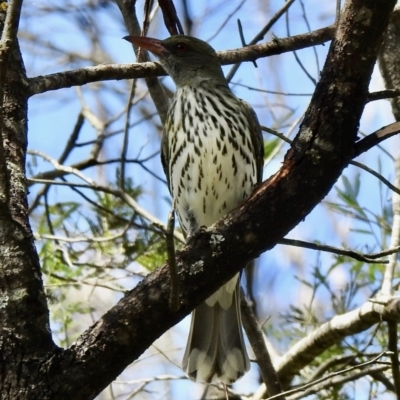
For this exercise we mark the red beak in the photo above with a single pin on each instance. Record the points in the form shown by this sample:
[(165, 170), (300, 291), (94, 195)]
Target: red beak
[(150, 44)]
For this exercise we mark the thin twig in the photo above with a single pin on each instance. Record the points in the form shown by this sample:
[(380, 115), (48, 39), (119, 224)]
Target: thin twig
[(387, 284), (125, 140), (334, 374), (243, 40), (375, 138), (130, 202), (334, 250), (395, 189), (394, 356), (11, 23), (170, 245), (285, 138), (70, 145), (261, 34), (229, 16), (304, 15), (337, 13), (339, 381), (383, 94), (256, 338)]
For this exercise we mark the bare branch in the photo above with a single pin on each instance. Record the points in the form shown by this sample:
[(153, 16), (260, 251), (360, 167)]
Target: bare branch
[(12, 22), (375, 138), (262, 33), (392, 346), (256, 338), (41, 84), (334, 250), (383, 94)]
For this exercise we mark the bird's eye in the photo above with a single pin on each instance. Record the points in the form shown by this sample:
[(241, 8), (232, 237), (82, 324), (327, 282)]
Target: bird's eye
[(181, 47)]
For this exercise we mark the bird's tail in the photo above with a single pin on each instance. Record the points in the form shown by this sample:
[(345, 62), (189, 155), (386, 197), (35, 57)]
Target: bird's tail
[(215, 351)]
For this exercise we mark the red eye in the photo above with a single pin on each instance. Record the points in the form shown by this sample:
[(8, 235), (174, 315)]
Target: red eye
[(181, 47)]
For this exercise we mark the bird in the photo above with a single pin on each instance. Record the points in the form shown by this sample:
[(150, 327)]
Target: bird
[(212, 154)]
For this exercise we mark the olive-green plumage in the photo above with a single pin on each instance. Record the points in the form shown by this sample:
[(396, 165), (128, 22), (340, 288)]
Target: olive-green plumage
[(212, 154)]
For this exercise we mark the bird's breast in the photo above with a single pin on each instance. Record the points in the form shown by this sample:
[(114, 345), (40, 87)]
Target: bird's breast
[(211, 161)]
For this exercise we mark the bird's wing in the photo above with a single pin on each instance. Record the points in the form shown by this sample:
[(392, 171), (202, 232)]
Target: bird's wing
[(256, 138), (165, 155), (165, 149)]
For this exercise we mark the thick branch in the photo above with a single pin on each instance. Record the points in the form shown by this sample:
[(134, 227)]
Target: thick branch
[(24, 327)]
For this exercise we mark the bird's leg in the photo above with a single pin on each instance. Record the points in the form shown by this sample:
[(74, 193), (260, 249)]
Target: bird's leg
[(193, 225), (170, 245)]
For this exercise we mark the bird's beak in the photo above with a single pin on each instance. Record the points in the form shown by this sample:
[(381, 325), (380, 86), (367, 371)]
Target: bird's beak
[(150, 44)]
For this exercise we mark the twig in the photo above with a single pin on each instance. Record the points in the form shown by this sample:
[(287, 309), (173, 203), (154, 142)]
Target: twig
[(335, 250), (375, 138), (383, 94), (296, 57), (153, 379), (387, 284), (229, 16), (361, 146), (276, 133), (11, 23), (242, 39), (256, 89), (284, 138), (155, 87), (303, 9), (85, 239), (92, 162), (125, 140), (148, 4), (331, 332), (337, 14), (339, 381), (170, 245), (67, 150), (331, 362), (394, 356), (256, 338), (170, 16), (64, 168), (379, 176), (333, 374), (261, 35), (129, 201)]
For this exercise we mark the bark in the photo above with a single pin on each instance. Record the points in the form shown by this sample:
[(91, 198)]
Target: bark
[(32, 366), (24, 330), (389, 60)]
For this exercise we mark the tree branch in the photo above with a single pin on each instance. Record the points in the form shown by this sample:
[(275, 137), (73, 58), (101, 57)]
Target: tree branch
[(78, 77), (11, 23), (375, 138), (333, 331)]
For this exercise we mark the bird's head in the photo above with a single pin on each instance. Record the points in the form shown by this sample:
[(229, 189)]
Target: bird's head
[(186, 59)]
